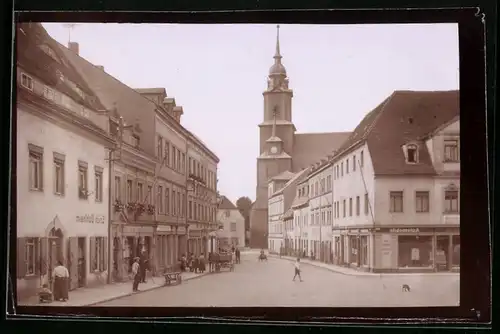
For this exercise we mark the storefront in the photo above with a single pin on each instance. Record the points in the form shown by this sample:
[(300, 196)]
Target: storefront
[(398, 249)]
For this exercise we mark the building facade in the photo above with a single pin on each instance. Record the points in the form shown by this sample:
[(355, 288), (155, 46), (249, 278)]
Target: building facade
[(281, 148), (61, 169), (232, 225), (396, 187)]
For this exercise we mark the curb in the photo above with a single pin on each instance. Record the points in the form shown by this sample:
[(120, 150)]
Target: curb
[(140, 291), (364, 274)]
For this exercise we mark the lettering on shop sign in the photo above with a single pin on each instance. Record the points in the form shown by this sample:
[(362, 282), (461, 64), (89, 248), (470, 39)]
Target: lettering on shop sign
[(91, 219), (404, 230)]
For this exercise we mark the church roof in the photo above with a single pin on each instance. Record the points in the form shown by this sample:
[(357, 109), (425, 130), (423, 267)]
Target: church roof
[(309, 148), (285, 176), (403, 117), (226, 204)]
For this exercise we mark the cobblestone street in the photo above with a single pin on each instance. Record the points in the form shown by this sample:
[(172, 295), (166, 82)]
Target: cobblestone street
[(256, 283)]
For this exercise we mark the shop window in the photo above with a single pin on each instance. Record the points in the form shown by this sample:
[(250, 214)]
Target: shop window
[(396, 201), (354, 244), (422, 201), (364, 250), (415, 251), (98, 254)]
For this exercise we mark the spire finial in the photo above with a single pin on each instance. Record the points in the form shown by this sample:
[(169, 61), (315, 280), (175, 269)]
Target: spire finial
[(278, 54)]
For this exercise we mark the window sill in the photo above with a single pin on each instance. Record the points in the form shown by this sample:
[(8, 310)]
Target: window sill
[(36, 190)]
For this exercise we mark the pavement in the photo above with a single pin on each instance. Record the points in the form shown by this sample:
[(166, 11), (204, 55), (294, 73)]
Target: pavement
[(270, 284), (108, 292), (354, 272)]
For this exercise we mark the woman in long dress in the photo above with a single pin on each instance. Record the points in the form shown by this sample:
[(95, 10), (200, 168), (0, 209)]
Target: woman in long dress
[(60, 275)]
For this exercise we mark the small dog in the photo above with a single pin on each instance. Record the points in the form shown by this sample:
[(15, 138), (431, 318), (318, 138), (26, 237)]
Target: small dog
[(405, 288)]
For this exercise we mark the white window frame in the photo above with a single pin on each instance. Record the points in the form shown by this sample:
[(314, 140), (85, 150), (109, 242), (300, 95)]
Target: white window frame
[(98, 186), (393, 195), (59, 177), (27, 81), (36, 170), (30, 243)]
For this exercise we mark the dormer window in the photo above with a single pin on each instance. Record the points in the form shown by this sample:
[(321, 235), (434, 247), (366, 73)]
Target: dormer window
[(411, 153)]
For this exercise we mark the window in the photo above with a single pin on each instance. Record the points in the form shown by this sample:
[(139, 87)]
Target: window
[(183, 162), (357, 205), (451, 151), (350, 207), (233, 227), (159, 148), (322, 186), (130, 195), (178, 165), (97, 254), (190, 210), (167, 154), (149, 195), (411, 154), (118, 192), (451, 201), (178, 206), (159, 199), (140, 192), (135, 140), (347, 166), (174, 157), (98, 183), (361, 159), (48, 93), (343, 208), (59, 174), (30, 256), (316, 188), (174, 208), (396, 198), (167, 201), (354, 163), (36, 167), (183, 205), (422, 201), (228, 213), (82, 180), (367, 204), (329, 183), (26, 81), (342, 169)]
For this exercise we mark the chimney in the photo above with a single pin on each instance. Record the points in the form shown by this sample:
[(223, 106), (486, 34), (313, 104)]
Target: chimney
[(73, 46), (169, 104), (100, 67), (177, 111)]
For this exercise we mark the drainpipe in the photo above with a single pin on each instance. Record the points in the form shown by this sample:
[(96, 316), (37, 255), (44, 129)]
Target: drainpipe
[(110, 211)]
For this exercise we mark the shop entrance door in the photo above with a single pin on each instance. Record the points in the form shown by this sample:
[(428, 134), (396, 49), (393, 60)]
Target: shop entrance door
[(73, 262), (82, 277), (55, 249)]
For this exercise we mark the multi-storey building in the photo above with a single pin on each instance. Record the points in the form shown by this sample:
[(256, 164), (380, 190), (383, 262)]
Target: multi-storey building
[(160, 144), (61, 168), (282, 193), (320, 210), (297, 243), (231, 231), (396, 186)]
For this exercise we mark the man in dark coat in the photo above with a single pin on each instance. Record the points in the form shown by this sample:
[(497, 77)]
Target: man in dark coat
[(237, 253), (143, 266)]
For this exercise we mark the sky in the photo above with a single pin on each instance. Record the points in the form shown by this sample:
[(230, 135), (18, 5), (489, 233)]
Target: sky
[(218, 72)]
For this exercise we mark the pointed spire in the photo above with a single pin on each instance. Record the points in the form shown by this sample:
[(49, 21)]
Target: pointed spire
[(277, 55)]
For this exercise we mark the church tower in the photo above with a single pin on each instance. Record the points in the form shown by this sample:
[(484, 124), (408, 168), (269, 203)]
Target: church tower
[(276, 144)]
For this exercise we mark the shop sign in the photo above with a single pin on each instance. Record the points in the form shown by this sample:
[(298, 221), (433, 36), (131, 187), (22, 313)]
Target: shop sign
[(139, 229), (91, 219), (404, 230), (164, 228)]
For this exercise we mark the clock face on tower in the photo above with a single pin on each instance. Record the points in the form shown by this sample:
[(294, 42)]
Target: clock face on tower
[(274, 150)]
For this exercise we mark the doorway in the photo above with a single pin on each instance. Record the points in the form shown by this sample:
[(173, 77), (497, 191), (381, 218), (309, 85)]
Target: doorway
[(55, 249), (82, 273)]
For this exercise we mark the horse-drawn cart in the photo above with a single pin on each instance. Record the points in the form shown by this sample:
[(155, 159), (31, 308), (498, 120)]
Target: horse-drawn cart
[(221, 260)]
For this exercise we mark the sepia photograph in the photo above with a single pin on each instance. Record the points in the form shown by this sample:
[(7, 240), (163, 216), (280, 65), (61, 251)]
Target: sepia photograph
[(237, 165)]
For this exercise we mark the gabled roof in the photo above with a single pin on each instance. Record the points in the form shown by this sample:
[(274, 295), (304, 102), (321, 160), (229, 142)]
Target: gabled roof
[(405, 116), (293, 181), (226, 204), (288, 215), (299, 202), (151, 91), (30, 39), (309, 148)]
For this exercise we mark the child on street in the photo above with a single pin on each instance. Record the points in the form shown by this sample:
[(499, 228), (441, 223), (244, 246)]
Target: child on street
[(297, 270)]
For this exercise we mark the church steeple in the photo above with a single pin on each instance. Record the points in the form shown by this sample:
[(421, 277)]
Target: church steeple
[(277, 69)]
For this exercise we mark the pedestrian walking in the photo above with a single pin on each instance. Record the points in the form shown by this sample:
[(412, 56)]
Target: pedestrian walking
[(238, 254), (297, 270), (60, 276), (143, 266), (201, 263), (136, 274)]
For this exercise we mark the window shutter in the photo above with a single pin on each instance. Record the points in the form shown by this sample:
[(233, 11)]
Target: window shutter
[(44, 255), (92, 254), (105, 252), (21, 257)]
